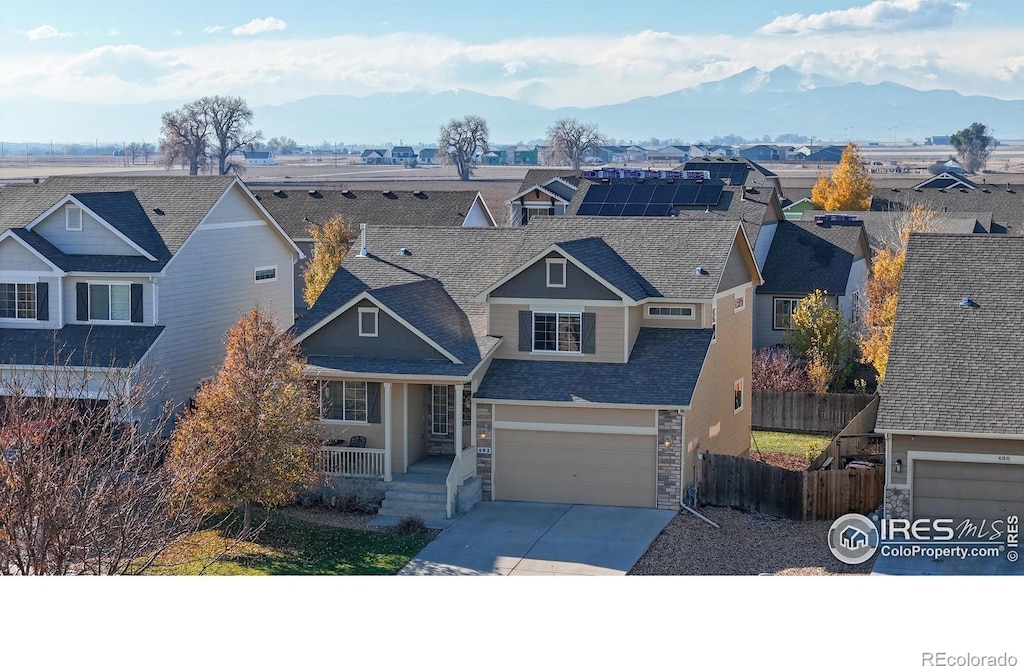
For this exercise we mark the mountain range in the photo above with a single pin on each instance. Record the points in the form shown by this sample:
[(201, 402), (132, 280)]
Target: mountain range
[(751, 103)]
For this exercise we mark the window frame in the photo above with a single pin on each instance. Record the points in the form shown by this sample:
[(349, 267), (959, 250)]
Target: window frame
[(256, 274), (558, 316), (691, 316), (17, 302), (108, 285), (547, 272), (344, 389), (714, 323), (435, 391), (376, 322), (737, 394), (739, 303), (67, 217), (775, 312)]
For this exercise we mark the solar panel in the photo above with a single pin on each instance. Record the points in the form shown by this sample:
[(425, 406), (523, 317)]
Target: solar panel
[(709, 194), (589, 209), (612, 209), (619, 194), (634, 209), (641, 194), (664, 194), (596, 194), (658, 210), (686, 194)]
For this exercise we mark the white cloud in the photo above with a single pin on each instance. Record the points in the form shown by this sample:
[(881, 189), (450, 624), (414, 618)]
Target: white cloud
[(258, 25), (45, 32), (877, 16), (211, 29), (113, 32), (128, 63)]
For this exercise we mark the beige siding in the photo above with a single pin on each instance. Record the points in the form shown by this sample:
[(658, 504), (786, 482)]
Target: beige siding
[(94, 238), (417, 422), (668, 322), (711, 425), (575, 468), (373, 432), (902, 445), (636, 320), (645, 418), (609, 338)]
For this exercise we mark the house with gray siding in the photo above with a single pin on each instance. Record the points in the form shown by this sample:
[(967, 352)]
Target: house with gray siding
[(578, 359), (141, 274)]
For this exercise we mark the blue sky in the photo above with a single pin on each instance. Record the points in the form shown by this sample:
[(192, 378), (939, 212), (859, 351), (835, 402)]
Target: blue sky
[(549, 53)]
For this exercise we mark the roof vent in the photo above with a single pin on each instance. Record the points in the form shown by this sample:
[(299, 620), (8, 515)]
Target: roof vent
[(895, 189), (986, 190), (279, 193), (346, 193), (158, 211), (404, 252), (942, 189), (386, 192), (964, 190), (363, 252), (417, 193), (966, 302), (312, 193), (700, 270)]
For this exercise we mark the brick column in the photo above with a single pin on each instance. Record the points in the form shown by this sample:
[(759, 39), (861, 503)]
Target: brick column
[(670, 459), (483, 460)]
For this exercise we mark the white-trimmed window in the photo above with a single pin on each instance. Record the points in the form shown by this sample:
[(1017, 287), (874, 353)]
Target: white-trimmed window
[(467, 405), (368, 322), (343, 401), (110, 302), (783, 313), (17, 300), (266, 274), (439, 409), (72, 217), (737, 395), (556, 272), (557, 332), (855, 307), (714, 323), (670, 311), (739, 302)]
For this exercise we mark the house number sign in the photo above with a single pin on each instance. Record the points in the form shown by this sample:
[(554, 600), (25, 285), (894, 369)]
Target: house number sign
[(483, 449)]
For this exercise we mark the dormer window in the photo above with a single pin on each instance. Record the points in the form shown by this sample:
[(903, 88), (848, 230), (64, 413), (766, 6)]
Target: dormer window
[(670, 312), (556, 272), (72, 217), (368, 322)]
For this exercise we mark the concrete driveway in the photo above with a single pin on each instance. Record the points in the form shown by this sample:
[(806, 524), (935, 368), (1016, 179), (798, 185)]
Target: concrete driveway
[(538, 539)]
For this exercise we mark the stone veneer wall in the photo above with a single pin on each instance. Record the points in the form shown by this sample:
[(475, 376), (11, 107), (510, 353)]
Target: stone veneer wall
[(483, 460), (670, 459), (897, 503)]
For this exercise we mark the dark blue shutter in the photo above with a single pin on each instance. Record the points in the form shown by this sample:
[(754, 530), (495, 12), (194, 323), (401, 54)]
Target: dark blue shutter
[(525, 330), (137, 303), (373, 402), (82, 301), (42, 301), (589, 344)]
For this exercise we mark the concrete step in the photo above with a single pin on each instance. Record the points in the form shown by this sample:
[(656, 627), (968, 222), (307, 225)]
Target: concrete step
[(417, 482), (411, 505), (426, 515), (416, 494)]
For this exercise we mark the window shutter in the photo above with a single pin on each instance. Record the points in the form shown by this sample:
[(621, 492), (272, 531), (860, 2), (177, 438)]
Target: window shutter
[(525, 330), (373, 402), (82, 301), (589, 344), (42, 301), (137, 303)]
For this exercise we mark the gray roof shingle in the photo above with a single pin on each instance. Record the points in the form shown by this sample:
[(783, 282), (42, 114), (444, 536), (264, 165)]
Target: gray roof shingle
[(805, 256), (77, 345), (881, 226), (662, 370), (296, 210), (955, 368), (1006, 204)]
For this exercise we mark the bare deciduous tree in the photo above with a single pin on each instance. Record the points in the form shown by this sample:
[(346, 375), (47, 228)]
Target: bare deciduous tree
[(146, 149), (82, 488), (216, 125), (133, 149), (569, 140), (230, 119), (185, 137), (460, 140)]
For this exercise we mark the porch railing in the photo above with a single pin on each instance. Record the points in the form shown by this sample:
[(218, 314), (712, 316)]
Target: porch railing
[(451, 486), (348, 461)]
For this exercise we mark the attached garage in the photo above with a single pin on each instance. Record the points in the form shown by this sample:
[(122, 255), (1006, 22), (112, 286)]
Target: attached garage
[(967, 489), (575, 467)]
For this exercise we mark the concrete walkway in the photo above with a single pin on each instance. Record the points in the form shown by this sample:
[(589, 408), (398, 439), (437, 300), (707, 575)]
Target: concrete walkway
[(538, 539)]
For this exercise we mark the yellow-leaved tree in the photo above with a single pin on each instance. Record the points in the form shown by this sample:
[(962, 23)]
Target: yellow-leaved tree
[(250, 436), (882, 290), (331, 242), (848, 188)]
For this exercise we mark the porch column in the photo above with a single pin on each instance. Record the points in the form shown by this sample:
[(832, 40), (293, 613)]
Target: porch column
[(458, 428), (387, 431), (405, 428)]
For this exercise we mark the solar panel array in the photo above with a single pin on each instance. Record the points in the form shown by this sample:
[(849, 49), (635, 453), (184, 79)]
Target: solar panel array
[(651, 199), (735, 172)]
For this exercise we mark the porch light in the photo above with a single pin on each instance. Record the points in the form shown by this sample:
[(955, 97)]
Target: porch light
[(483, 434), (899, 465)]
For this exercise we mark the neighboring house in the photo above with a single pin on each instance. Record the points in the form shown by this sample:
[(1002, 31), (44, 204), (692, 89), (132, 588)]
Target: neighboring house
[(543, 192), (883, 227), (830, 253), (524, 156), (492, 158), (671, 154), (1004, 202), (796, 210), (296, 210), (936, 140), (259, 158), (578, 360), (375, 156), (736, 171), (715, 150), (142, 274), (826, 155), (611, 154), (401, 154), (635, 153), (951, 401), (762, 153), (428, 156), (947, 179)]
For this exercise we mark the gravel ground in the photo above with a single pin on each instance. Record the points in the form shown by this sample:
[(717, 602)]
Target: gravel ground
[(746, 544), (783, 460)]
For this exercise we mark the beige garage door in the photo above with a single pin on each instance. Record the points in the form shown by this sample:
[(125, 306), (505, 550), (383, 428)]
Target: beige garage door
[(946, 489), (575, 468)]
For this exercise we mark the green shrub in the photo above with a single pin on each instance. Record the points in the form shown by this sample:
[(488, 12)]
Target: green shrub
[(410, 526)]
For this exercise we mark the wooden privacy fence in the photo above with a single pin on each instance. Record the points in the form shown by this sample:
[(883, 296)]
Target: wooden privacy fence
[(750, 485), (856, 440), (798, 411)]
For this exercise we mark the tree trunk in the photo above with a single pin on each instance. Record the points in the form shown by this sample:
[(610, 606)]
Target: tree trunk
[(193, 168), (246, 517), (222, 164)]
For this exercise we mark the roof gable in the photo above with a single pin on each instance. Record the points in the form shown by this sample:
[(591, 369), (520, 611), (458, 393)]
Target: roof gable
[(805, 256)]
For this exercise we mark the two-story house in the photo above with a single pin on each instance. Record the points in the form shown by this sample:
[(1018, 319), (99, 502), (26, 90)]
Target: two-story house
[(582, 360), (144, 275)]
